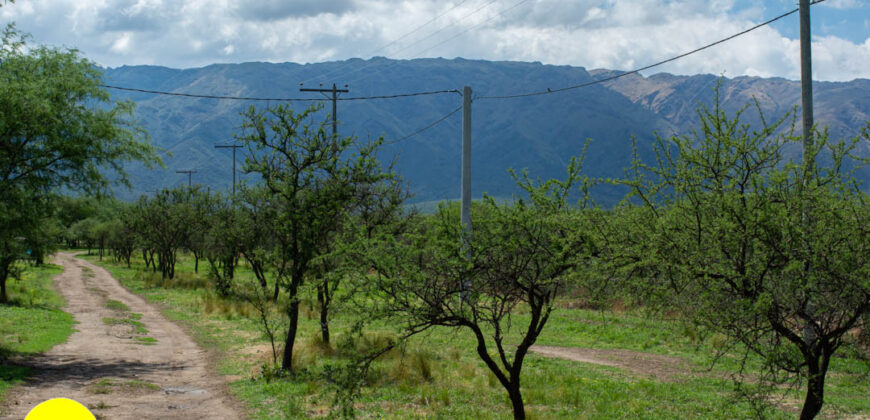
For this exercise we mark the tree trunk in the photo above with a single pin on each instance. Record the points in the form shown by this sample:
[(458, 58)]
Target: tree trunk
[(293, 313), (815, 397), (4, 275), (277, 289), (323, 299), (517, 401)]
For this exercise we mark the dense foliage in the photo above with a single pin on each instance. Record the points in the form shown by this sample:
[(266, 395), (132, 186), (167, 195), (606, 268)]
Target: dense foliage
[(772, 253), (58, 130)]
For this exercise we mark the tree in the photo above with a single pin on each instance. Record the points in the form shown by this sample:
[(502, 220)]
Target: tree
[(519, 255), (772, 253), (58, 129), (377, 210), (164, 223), (315, 179), (256, 239)]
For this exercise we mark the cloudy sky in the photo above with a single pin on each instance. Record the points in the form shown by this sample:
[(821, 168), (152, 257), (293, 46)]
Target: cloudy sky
[(614, 34)]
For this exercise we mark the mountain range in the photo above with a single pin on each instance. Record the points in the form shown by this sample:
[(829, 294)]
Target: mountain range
[(537, 133)]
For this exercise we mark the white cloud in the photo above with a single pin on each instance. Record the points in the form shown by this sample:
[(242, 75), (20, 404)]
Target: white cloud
[(122, 43), (843, 4), (618, 34)]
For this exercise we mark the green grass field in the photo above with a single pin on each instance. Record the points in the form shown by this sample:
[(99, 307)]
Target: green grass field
[(439, 375), (31, 323)]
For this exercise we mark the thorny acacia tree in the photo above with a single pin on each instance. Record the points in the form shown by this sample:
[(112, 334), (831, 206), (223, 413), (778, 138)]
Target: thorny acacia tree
[(771, 253), (315, 179), (58, 129), (519, 255)]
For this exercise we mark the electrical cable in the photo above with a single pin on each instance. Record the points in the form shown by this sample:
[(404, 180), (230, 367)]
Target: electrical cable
[(358, 69), (638, 70), (434, 123), (243, 98), (385, 46), (473, 27)]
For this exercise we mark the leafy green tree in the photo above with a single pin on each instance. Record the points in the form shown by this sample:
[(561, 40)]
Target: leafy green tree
[(256, 239), (164, 222), (315, 178), (518, 255), (747, 243), (123, 236), (58, 129)]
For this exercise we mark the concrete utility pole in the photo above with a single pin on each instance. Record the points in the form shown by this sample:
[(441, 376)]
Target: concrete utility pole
[(234, 147), (189, 172), (465, 212), (806, 81), (335, 91)]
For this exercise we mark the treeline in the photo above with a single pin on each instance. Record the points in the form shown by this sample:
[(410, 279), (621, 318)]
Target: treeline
[(723, 229)]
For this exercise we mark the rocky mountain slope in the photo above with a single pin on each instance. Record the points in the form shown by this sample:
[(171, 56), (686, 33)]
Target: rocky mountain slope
[(538, 133)]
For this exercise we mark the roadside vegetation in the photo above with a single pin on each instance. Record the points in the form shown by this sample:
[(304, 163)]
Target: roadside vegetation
[(31, 322), (440, 374), (742, 270)]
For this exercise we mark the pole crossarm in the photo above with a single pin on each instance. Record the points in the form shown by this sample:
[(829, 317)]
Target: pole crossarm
[(335, 91), (189, 173)]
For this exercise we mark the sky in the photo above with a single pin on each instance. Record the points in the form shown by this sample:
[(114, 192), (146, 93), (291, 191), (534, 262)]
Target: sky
[(612, 34)]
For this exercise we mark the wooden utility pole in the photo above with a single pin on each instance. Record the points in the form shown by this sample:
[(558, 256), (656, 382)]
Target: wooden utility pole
[(234, 147), (806, 82), (189, 172), (465, 212), (335, 91)]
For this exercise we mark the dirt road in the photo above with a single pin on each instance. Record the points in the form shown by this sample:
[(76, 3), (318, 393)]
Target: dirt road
[(112, 363), (664, 368)]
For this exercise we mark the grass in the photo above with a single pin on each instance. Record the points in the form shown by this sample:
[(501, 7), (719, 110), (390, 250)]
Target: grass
[(31, 323), (439, 374), (117, 306), (129, 318), (108, 385), (138, 326), (148, 341)]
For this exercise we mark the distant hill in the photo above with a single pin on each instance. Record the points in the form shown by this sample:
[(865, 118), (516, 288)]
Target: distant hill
[(538, 133)]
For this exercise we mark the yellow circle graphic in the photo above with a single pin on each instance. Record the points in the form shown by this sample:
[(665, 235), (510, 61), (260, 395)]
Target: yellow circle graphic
[(60, 408)]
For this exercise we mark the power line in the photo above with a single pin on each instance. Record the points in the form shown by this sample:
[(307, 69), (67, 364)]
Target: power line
[(383, 47), (434, 123), (367, 75), (244, 98), (473, 27), (638, 70), (442, 29)]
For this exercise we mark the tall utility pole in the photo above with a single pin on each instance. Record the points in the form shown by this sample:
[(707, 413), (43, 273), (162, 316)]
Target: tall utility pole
[(189, 172), (234, 147), (806, 81), (465, 212), (335, 91)]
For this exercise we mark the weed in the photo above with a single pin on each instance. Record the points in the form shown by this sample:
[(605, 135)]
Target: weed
[(117, 306), (148, 341), (138, 326), (99, 406), (103, 386), (138, 384)]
